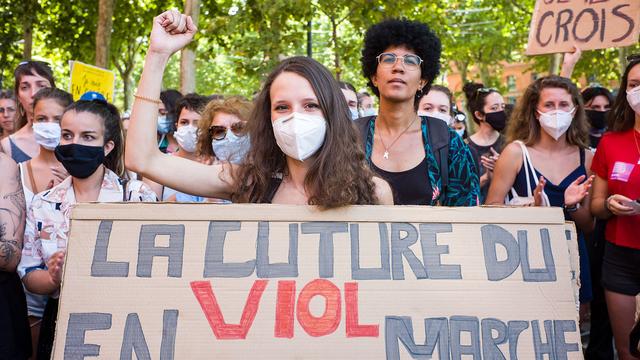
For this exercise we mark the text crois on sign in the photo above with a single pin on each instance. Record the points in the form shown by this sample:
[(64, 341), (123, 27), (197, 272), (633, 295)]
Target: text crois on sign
[(159, 281), (558, 25)]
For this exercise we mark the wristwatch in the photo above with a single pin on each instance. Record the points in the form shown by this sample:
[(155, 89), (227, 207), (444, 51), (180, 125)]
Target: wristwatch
[(572, 208)]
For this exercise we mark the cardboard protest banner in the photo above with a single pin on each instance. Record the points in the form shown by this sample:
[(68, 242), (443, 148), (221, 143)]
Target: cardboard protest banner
[(178, 281), (589, 24), (86, 77)]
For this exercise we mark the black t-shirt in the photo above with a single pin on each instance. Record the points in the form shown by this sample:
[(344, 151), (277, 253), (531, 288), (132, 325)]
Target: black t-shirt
[(411, 187)]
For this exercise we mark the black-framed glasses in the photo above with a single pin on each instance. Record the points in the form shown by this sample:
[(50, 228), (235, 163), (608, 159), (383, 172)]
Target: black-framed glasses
[(218, 132), (7, 110), (410, 61)]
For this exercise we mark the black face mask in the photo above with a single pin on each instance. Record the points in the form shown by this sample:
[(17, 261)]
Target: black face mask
[(80, 160), (497, 120), (597, 119)]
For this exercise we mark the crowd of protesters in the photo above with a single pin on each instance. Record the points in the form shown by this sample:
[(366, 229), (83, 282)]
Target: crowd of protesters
[(307, 139)]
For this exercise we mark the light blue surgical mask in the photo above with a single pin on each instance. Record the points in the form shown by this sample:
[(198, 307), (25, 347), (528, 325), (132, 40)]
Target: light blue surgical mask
[(164, 124), (460, 132), (369, 112), (232, 148), (354, 113)]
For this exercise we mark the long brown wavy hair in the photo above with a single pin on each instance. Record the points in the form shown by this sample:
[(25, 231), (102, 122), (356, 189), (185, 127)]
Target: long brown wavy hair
[(524, 125), (338, 174)]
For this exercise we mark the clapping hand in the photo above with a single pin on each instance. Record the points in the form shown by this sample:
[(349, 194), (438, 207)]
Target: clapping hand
[(577, 190), (489, 162), (538, 192)]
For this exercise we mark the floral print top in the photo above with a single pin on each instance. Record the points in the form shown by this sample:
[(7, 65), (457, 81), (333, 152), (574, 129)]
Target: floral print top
[(47, 225)]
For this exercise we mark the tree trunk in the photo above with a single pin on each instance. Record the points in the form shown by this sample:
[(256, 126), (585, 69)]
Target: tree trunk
[(622, 56), (188, 54), (103, 33), (336, 55), (30, 9), (126, 80), (309, 39), (27, 31)]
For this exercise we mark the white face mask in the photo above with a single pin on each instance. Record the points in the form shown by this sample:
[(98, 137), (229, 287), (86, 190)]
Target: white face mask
[(47, 134), (633, 97), (300, 135), (187, 137), (556, 122), (232, 148), (460, 132), (438, 115)]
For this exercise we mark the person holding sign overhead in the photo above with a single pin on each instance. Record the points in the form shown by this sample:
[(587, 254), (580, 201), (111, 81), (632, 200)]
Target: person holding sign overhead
[(303, 146), (616, 197)]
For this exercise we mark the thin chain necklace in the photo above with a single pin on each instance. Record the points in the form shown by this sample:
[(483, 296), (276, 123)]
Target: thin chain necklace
[(387, 148)]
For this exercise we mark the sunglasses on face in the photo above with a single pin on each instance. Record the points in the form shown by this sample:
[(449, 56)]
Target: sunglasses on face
[(219, 132), (410, 61)]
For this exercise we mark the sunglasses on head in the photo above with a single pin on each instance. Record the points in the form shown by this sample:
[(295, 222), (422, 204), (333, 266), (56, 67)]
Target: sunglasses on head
[(43, 63), (485, 90), (218, 132), (633, 57)]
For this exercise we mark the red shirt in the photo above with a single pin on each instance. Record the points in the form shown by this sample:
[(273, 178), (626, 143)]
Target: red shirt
[(617, 159)]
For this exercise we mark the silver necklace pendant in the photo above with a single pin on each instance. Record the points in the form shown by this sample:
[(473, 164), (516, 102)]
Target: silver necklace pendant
[(386, 155)]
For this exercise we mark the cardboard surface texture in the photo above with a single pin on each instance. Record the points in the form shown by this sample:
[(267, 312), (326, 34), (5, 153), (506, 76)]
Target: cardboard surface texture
[(162, 281), (558, 25), (86, 77)]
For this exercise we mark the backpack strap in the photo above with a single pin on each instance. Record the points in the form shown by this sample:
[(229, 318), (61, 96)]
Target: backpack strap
[(439, 141), (362, 124)]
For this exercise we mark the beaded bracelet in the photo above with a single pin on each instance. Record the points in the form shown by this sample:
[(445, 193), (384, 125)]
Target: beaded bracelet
[(139, 97)]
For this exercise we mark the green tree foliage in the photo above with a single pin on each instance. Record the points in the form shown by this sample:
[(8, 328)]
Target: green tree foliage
[(240, 41)]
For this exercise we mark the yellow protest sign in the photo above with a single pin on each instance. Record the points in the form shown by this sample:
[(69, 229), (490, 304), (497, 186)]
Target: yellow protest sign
[(86, 77)]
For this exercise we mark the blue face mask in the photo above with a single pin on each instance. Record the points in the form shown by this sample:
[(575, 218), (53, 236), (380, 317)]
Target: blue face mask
[(232, 148), (369, 112), (164, 125), (354, 113)]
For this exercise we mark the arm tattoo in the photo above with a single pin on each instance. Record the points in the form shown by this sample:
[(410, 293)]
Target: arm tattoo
[(8, 247), (12, 223)]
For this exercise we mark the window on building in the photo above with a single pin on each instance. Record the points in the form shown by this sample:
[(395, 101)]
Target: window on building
[(511, 83)]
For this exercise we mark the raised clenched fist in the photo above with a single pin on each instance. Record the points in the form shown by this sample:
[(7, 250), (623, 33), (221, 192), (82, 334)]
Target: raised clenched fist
[(171, 32)]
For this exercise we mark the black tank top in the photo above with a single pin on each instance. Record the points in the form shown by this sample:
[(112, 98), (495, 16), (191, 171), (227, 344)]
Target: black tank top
[(411, 187)]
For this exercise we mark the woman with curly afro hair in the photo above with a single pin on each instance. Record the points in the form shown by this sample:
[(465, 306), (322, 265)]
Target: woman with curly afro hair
[(424, 161)]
